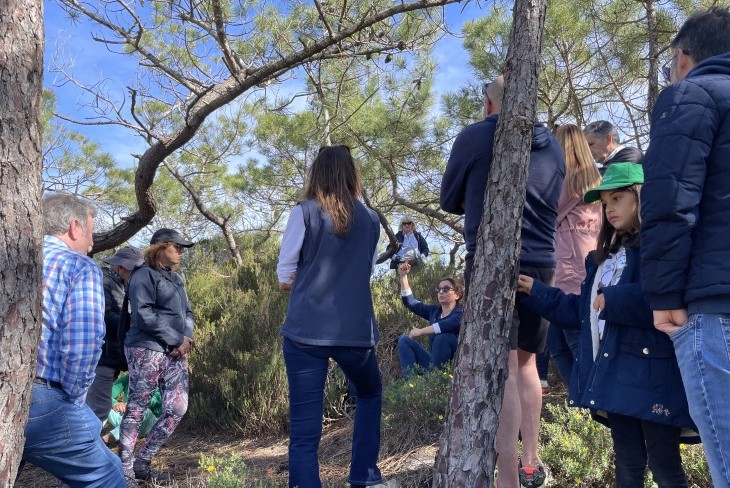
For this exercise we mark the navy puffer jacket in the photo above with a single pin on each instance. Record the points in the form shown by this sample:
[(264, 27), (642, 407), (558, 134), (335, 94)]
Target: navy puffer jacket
[(685, 200), (635, 371)]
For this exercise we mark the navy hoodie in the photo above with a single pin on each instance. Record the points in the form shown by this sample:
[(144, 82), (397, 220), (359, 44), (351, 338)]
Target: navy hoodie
[(466, 176), (685, 199)]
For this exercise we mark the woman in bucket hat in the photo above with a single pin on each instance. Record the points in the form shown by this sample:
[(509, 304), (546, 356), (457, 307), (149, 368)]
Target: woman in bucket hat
[(112, 360)]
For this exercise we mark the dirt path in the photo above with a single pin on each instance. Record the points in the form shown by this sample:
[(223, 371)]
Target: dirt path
[(267, 456)]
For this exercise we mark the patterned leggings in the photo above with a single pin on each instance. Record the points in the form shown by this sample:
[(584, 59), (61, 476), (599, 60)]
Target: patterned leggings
[(148, 370)]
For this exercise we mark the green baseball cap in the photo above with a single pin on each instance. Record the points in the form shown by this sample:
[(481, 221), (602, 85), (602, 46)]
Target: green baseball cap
[(617, 175)]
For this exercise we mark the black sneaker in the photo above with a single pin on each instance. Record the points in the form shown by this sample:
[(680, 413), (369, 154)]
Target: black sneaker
[(143, 471)]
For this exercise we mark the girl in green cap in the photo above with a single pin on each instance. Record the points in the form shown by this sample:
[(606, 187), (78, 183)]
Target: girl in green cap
[(625, 372)]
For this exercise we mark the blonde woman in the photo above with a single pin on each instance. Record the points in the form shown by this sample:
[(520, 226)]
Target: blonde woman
[(578, 227)]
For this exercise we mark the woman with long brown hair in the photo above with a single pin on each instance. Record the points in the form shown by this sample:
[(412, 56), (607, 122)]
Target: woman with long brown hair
[(578, 227), (327, 255)]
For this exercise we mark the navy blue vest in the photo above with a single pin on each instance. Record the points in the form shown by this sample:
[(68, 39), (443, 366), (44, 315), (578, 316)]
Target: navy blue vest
[(330, 302)]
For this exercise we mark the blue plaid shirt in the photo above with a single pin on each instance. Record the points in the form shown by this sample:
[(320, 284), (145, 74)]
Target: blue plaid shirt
[(73, 319)]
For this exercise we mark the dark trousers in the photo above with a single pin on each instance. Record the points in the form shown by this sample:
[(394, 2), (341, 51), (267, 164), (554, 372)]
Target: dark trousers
[(306, 369), (99, 396), (563, 347), (635, 441)]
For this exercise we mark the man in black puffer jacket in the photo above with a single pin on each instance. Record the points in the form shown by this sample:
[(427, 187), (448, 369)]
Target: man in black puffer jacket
[(685, 224), (112, 360)]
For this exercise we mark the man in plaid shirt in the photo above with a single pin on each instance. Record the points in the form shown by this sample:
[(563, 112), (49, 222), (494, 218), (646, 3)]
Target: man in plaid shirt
[(62, 434)]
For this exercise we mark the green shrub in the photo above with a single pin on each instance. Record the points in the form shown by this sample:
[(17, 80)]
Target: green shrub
[(578, 450), (232, 472), (237, 369), (414, 409), (695, 465)]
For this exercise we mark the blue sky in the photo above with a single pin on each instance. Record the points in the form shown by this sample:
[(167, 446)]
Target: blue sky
[(70, 42)]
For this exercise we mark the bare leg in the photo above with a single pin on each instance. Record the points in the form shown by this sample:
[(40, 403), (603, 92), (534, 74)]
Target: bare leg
[(530, 394), (509, 425)]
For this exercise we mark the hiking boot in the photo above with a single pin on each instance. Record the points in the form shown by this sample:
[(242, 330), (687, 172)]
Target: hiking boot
[(143, 471), (531, 477)]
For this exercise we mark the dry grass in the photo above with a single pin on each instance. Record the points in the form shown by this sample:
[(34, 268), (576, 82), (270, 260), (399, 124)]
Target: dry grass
[(401, 457), (268, 457)]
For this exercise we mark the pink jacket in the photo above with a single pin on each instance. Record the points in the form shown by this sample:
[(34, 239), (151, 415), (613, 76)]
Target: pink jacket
[(578, 227)]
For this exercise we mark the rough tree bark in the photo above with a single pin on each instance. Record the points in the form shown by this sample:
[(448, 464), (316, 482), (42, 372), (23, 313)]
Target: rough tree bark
[(21, 239), (466, 455), (653, 41)]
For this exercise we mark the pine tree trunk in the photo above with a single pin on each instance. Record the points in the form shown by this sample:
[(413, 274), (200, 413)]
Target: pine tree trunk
[(21, 238), (652, 27), (466, 455)]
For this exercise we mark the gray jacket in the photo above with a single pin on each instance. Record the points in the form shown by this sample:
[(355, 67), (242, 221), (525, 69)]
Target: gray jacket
[(161, 315)]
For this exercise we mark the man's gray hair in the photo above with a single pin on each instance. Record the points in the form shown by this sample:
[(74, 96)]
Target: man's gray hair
[(60, 209), (602, 128)]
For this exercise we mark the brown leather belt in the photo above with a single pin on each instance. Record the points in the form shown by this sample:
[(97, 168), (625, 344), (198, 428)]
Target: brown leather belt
[(52, 384)]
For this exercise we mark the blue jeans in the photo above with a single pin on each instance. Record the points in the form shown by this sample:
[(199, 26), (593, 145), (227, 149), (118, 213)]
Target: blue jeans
[(412, 353), (563, 347), (306, 369), (635, 441), (64, 439), (703, 353)]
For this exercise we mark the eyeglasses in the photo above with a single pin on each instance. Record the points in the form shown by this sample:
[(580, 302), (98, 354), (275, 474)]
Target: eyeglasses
[(180, 249), (407, 223), (340, 146), (443, 289)]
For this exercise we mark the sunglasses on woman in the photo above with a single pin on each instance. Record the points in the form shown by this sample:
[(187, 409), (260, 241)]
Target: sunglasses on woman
[(443, 289)]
